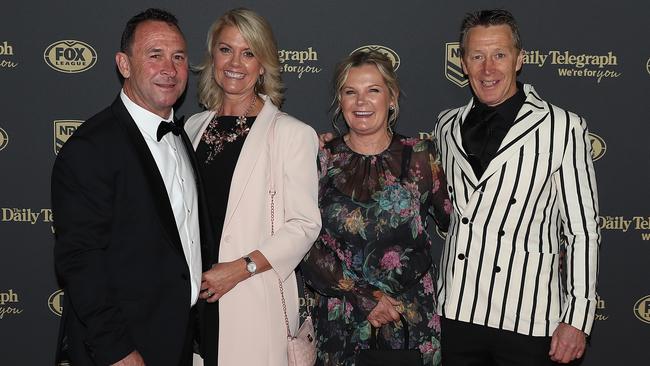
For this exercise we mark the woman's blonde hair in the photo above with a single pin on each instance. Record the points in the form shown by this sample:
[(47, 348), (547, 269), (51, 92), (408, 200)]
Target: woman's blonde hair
[(259, 36), (360, 58)]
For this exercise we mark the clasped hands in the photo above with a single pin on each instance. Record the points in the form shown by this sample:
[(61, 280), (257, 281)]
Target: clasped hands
[(385, 311), (220, 279)]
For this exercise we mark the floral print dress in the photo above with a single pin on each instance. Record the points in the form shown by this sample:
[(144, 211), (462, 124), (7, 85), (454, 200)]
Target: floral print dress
[(374, 239)]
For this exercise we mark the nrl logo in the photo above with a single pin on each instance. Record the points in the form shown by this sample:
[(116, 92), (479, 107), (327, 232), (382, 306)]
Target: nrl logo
[(453, 68), (63, 129)]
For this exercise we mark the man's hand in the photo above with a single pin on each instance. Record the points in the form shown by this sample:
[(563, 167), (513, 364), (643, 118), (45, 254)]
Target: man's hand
[(384, 312), (222, 278), (567, 344), (324, 138), (132, 359)]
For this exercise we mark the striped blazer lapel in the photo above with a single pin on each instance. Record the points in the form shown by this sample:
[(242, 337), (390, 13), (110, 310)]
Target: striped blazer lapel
[(530, 117), (455, 143)]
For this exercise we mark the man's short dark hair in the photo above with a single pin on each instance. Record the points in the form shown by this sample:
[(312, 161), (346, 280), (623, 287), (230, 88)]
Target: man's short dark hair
[(487, 18), (149, 14)]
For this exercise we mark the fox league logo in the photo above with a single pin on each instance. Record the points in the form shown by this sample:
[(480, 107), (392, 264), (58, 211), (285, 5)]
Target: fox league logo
[(642, 309), (453, 68), (55, 302), (70, 56), (4, 139), (598, 146), (63, 129), (389, 53)]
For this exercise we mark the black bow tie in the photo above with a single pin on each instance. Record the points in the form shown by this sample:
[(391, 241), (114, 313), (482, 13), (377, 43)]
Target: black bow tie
[(175, 127)]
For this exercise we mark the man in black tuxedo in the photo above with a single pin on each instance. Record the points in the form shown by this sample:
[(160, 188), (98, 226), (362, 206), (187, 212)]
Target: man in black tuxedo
[(130, 222)]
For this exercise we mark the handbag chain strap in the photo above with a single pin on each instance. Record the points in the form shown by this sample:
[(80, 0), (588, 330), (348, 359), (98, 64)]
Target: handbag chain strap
[(272, 193)]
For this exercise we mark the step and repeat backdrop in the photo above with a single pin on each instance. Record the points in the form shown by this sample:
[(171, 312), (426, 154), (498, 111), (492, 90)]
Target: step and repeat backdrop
[(57, 69)]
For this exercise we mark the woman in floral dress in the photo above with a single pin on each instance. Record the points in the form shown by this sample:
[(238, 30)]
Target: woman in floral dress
[(372, 259)]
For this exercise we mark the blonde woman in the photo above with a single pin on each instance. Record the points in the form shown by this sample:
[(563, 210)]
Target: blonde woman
[(243, 142)]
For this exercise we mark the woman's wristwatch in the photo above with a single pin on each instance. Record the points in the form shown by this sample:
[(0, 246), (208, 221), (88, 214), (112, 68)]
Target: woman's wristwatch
[(251, 267)]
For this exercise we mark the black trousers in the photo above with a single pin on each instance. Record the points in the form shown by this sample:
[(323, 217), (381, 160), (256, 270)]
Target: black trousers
[(188, 345), (467, 344)]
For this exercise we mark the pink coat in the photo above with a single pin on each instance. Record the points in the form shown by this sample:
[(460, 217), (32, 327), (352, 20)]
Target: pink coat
[(252, 329)]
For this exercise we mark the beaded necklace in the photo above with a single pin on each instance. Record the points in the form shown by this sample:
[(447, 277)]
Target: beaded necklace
[(216, 139)]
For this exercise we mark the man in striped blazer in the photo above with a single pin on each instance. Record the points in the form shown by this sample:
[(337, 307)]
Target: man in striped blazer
[(523, 187)]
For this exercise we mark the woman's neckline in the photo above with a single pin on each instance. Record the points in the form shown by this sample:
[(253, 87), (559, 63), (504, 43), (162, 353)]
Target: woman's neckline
[(346, 141)]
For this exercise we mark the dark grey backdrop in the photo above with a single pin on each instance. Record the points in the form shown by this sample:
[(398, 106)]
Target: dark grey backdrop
[(33, 95)]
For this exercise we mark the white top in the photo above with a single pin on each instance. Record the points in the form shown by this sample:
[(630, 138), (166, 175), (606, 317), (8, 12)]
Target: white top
[(176, 171)]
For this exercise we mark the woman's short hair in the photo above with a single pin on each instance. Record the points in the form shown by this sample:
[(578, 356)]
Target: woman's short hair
[(360, 58), (259, 36)]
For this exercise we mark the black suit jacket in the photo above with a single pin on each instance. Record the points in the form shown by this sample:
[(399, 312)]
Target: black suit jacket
[(118, 252)]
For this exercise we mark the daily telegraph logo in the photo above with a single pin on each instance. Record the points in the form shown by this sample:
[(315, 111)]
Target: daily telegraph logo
[(624, 224), (55, 302), (6, 49), (63, 129), (642, 309), (598, 146), (32, 216), (570, 64), (4, 139), (70, 56), (9, 304), (299, 61), (391, 54), (453, 68)]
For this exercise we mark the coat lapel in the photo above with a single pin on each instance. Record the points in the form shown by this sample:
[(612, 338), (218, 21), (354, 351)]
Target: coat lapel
[(255, 144), (531, 115), (150, 170), (455, 143)]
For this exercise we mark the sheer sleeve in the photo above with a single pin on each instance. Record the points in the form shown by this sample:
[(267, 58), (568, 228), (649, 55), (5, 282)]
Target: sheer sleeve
[(324, 267), (326, 271), (441, 206)]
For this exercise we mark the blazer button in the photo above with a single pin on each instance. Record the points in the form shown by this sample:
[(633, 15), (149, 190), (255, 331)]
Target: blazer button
[(497, 269), (502, 233), (450, 188), (465, 220), (513, 201), (461, 256), (226, 238)]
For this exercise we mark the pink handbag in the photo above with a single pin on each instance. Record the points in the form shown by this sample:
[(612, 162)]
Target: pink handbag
[(301, 348)]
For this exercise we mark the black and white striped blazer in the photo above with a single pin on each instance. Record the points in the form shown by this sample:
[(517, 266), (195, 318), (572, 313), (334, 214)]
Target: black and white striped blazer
[(501, 264)]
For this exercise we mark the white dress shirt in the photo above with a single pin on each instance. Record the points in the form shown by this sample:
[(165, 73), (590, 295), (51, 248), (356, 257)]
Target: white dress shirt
[(176, 170)]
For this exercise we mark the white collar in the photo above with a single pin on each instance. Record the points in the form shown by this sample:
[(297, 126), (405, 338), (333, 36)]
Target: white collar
[(146, 121)]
